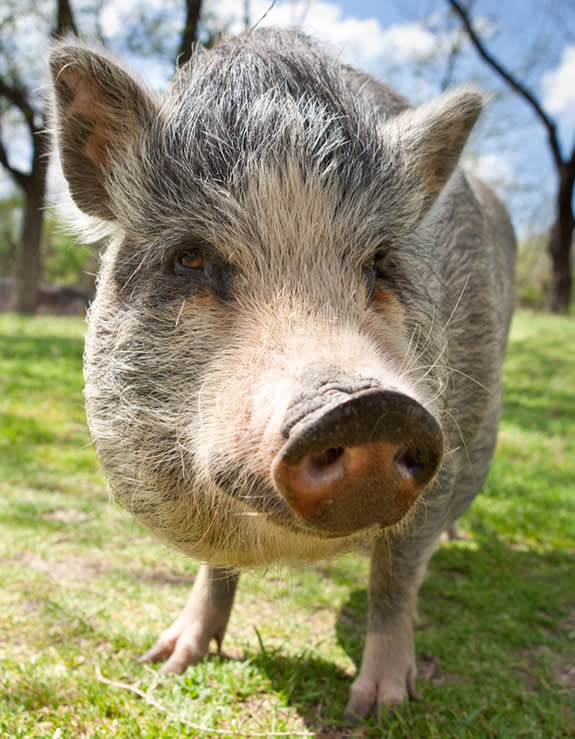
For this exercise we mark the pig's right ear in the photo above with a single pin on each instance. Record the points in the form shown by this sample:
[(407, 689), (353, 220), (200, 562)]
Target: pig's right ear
[(99, 114)]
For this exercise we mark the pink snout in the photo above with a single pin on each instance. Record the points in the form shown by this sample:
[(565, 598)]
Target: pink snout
[(360, 461)]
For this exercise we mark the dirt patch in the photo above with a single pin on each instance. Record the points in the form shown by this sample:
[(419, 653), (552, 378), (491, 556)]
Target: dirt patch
[(162, 577), (567, 626), (429, 668), (562, 668), (564, 674), (65, 569), (67, 515)]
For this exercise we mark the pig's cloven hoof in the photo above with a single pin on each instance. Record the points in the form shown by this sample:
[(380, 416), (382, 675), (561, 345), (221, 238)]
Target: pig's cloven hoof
[(183, 644), (179, 651), (378, 697), (205, 617), (386, 677)]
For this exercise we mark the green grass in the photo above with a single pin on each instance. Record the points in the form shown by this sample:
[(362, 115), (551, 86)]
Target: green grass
[(85, 590)]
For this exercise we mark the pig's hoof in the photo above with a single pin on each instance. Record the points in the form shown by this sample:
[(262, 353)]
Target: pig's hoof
[(377, 698), (204, 618), (180, 650)]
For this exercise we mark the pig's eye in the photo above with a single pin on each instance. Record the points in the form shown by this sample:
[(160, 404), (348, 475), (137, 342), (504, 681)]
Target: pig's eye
[(188, 260), (377, 270), (381, 266)]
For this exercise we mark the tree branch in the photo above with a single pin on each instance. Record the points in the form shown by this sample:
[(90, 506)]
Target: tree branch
[(190, 32), (21, 178), (65, 21), (18, 97), (515, 84), (571, 162)]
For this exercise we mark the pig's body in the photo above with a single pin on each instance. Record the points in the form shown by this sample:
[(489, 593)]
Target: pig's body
[(297, 340)]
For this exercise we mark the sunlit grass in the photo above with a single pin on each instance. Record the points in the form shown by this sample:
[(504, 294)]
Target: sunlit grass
[(85, 590)]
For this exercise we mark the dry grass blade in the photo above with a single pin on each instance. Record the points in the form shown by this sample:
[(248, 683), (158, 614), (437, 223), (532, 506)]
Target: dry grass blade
[(145, 696)]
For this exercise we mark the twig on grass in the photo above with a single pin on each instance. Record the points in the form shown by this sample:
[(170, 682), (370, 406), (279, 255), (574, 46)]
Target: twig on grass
[(145, 696)]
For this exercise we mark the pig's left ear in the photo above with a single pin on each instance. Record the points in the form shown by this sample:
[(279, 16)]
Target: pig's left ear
[(100, 115), (428, 141)]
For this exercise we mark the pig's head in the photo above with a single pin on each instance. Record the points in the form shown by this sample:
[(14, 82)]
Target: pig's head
[(264, 359)]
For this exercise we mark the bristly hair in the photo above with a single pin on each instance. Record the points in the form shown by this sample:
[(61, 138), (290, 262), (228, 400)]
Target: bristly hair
[(254, 98), (268, 102)]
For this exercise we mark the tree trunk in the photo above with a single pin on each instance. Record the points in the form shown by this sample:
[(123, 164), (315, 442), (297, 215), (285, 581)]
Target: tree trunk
[(28, 252), (190, 32), (559, 246)]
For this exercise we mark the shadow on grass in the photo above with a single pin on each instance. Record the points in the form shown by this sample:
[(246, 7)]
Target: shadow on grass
[(318, 689), (493, 623), (525, 411)]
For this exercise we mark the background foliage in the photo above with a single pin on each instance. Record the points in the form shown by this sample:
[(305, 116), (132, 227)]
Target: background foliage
[(152, 36)]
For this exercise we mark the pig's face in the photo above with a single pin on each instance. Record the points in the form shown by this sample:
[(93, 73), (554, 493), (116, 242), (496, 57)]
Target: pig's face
[(214, 346), (262, 364)]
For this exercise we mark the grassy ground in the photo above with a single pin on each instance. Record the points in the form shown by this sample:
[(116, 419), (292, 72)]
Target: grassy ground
[(84, 590)]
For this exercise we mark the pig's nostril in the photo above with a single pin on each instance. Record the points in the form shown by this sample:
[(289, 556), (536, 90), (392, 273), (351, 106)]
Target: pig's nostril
[(407, 463), (326, 458)]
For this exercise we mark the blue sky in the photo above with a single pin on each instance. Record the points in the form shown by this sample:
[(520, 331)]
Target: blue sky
[(398, 41), (393, 40)]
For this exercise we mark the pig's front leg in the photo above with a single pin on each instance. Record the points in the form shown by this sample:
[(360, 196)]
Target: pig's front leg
[(204, 618), (388, 668)]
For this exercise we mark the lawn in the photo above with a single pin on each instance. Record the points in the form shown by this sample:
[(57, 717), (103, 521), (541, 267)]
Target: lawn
[(85, 590)]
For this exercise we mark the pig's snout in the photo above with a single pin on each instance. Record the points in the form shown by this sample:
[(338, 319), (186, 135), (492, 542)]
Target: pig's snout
[(356, 459)]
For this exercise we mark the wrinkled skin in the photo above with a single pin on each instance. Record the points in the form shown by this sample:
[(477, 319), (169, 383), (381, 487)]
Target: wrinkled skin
[(296, 344)]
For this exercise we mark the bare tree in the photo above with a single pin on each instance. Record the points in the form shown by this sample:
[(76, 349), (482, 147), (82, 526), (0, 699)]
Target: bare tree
[(561, 233), (21, 98), (17, 95)]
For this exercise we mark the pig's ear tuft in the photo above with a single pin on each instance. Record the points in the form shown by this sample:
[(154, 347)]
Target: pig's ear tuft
[(99, 114), (432, 138)]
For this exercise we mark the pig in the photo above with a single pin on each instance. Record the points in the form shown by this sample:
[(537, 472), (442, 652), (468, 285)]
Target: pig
[(295, 348)]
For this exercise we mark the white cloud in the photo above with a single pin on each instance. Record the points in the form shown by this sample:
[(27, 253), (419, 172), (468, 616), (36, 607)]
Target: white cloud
[(559, 86), (495, 169), (117, 16), (363, 42)]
